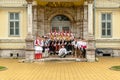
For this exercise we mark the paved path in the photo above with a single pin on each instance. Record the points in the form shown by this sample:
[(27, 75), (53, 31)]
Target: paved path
[(60, 70)]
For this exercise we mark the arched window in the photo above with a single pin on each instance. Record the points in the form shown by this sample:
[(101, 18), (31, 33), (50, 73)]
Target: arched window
[(60, 23)]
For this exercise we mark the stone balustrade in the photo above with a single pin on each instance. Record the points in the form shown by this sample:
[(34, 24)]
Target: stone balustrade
[(13, 3)]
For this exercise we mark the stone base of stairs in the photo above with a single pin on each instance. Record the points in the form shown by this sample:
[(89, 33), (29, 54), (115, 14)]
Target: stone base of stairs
[(54, 59)]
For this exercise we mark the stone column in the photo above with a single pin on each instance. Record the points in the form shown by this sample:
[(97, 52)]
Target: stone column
[(29, 54), (85, 22), (29, 17), (90, 18), (35, 31), (78, 22), (90, 41)]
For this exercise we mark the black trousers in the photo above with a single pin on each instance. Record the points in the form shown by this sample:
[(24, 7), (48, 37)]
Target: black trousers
[(84, 53)]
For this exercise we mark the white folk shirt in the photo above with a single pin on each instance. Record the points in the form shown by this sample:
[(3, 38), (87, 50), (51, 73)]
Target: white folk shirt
[(62, 51), (74, 43), (79, 44)]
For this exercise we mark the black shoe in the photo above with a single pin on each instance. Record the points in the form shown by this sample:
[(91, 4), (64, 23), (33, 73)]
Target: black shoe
[(50, 53)]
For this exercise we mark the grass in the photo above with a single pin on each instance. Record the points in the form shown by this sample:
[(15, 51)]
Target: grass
[(116, 68), (2, 68)]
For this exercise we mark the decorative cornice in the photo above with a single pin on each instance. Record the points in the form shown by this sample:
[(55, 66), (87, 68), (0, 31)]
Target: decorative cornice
[(27, 49), (12, 49), (12, 41), (29, 40), (107, 40), (89, 1)]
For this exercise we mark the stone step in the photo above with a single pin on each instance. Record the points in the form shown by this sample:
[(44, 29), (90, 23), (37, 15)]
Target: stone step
[(62, 59), (54, 59)]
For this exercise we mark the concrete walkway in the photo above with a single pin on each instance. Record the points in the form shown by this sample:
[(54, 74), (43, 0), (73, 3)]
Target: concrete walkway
[(60, 70)]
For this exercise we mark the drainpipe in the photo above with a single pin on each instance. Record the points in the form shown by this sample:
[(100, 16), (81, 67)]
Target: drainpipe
[(94, 16), (94, 22)]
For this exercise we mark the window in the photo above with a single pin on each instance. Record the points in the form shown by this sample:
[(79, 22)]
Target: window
[(106, 25), (60, 23), (14, 25)]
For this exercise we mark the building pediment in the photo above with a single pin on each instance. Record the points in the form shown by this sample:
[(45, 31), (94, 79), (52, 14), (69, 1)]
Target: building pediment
[(60, 3)]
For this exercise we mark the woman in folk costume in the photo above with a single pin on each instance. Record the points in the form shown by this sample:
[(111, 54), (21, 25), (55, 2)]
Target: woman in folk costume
[(41, 42), (69, 45), (38, 47)]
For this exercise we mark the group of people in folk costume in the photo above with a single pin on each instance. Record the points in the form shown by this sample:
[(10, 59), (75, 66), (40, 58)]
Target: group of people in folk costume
[(64, 35), (54, 44)]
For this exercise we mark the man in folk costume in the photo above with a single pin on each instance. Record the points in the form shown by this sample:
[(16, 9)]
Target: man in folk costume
[(51, 35), (62, 52), (74, 47), (57, 46), (79, 44), (55, 32), (45, 47), (64, 33), (67, 36), (69, 46), (45, 41), (38, 48), (84, 46)]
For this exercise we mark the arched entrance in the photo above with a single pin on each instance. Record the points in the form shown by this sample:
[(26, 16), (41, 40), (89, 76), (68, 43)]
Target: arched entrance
[(60, 23)]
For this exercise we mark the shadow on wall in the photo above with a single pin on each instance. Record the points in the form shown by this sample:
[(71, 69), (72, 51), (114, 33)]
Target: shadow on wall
[(104, 52)]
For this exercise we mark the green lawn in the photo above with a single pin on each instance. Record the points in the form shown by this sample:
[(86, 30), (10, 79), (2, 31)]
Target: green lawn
[(116, 68), (2, 68)]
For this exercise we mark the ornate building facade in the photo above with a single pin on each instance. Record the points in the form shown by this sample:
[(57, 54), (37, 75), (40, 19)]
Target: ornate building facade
[(93, 20)]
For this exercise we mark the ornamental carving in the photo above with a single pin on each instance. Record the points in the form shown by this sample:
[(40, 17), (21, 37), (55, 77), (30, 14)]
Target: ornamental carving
[(60, 4), (50, 11), (29, 1)]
